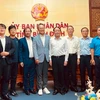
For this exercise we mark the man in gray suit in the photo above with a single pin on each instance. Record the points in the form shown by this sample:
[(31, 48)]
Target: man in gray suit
[(41, 54)]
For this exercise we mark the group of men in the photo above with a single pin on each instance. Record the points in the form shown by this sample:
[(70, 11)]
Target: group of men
[(35, 54)]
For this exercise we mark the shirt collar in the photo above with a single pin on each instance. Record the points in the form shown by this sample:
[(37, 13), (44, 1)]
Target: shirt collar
[(57, 39), (42, 35), (69, 37), (2, 37), (98, 37), (85, 39), (28, 38)]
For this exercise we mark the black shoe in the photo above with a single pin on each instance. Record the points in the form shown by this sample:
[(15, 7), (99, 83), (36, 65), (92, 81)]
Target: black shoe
[(20, 84), (13, 93), (55, 92), (62, 92), (32, 91), (74, 89), (83, 89), (96, 90), (66, 90), (6, 97), (26, 92)]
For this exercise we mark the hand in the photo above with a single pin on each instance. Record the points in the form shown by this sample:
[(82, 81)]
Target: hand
[(37, 61), (92, 61), (65, 63), (50, 63), (78, 61), (22, 64), (4, 53)]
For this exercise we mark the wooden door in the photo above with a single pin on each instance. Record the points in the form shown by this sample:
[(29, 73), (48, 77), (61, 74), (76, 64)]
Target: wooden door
[(94, 9)]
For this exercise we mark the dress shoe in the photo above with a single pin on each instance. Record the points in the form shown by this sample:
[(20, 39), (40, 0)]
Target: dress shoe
[(62, 92), (55, 92), (96, 90), (20, 84), (13, 93), (32, 91), (83, 89), (26, 92), (6, 97), (66, 90), (74, 89)]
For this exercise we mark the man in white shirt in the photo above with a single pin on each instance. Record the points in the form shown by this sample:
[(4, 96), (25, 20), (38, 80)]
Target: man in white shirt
[(58, 60), (27, 61), (41, 54), (73, 60)]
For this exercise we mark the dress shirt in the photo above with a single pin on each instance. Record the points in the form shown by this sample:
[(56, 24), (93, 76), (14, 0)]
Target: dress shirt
[(58, 47), (95, 44), (85, 46), (73, 45), (30, 47), (3, 41), (42, 39)]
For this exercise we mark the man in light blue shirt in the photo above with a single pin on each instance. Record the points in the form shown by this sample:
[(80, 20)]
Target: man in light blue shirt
[(85, 57), (95, 57)]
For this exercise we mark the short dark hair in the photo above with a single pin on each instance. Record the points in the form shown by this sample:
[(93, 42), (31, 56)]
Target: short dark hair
[(56, 27), (27, 28), (3, 25), (70, 26), (84, 28), (39, 25), (11, 27)]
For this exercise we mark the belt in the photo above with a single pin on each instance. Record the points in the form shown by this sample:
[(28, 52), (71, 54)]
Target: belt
[(72, 54), (97, 57), (31, 58), (84, 55), (58, 56)]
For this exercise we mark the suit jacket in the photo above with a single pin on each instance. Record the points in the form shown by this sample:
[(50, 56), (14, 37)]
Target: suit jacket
[(9, 47), (23, 50), (40, 51)]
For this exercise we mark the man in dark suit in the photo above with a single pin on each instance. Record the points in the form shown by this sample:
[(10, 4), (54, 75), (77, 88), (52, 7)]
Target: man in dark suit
[(6, 52), (26, 59), (14, 65)]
